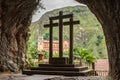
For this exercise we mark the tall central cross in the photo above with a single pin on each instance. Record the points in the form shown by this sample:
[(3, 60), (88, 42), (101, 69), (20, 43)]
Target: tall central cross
[(60, 24)]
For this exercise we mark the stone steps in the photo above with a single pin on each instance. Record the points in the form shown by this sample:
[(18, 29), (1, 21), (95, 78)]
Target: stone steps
[(61, 69), (64, 73), (58, 65)]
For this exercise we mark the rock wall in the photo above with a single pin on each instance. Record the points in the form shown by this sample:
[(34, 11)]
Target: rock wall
[(15, 17), (108, 14)]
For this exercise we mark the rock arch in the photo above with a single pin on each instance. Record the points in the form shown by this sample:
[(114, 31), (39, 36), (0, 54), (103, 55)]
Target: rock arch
[(15, 17), (108, 14)]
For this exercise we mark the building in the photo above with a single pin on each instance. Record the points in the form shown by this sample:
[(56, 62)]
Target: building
[(44, 45)]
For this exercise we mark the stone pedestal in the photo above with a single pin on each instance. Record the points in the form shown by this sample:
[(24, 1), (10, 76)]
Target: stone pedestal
[(63, 60)]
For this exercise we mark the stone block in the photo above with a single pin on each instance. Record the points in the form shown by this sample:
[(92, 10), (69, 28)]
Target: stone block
[(63, 60)]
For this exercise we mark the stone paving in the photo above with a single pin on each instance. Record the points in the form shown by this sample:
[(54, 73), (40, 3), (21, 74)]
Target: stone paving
[(46, 77)]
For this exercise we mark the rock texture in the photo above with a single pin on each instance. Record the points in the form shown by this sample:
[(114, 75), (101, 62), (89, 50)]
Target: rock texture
[(108, 13), (48, 77), (15, 17)]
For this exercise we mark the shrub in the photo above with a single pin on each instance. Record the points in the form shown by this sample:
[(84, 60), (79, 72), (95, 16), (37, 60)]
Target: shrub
[(84, 54), (46, 54)]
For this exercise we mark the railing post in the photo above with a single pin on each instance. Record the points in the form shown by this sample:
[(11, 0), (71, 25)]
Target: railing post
[(93, 66)]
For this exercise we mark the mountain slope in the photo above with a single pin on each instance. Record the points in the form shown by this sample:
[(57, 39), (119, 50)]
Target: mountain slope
[(88, 34)]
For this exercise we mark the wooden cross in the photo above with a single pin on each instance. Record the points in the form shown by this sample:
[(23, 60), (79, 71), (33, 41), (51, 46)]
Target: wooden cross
[(60, 24)]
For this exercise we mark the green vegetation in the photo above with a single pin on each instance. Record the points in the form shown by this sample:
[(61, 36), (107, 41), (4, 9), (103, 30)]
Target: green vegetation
[(84, 54), (32, 49), (46, 54), (32, 44), (88, 35)]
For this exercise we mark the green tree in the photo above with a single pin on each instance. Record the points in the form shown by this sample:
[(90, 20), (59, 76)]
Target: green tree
[(85, 55), (32, 49), (32, 43), (46, 36), (99, 40), (46, 54)]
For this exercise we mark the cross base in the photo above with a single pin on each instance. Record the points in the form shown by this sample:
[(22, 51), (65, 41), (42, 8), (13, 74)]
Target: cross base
[(63, 60)]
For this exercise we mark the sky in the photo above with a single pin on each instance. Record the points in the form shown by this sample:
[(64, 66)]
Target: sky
[(51, 5)]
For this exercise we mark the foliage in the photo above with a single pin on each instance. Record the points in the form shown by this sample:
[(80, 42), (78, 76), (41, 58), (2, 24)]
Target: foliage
[(55, 54), (66, 53), (99, 40), (87, 35), (85, 55), (82, 54), (32, 44), (32, 49), (46, 36), (46, 54), (30, 59)]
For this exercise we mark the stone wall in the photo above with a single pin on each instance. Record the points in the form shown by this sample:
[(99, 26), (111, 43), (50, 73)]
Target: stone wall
[(15, 18)]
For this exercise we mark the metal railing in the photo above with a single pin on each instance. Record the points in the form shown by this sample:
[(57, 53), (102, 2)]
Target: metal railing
[(97, 72), (101, 73)]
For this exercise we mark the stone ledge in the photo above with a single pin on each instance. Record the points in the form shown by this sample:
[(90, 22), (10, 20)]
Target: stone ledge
[(63, 60)]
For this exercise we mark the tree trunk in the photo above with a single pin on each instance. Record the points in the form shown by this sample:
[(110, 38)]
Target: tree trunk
[(108, 13), (15, 17)]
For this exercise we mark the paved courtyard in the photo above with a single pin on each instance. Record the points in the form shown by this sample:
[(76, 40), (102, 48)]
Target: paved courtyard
[(46, 77)]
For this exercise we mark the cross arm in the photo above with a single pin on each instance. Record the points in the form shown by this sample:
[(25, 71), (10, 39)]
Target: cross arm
[(63, 16), (64, 23)]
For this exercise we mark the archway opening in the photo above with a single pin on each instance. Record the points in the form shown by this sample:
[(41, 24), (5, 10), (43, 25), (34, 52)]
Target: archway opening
[(87, 35)]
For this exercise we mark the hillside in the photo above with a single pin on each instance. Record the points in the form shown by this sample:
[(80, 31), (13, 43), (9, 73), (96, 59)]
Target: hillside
[(88, 34)]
